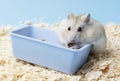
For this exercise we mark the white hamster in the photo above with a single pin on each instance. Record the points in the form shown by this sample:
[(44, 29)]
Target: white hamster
[(77, 30)]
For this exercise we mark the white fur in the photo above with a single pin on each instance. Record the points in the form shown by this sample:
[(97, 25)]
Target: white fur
[(93, 32)]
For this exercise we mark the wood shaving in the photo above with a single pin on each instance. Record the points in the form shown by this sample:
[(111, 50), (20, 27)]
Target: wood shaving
[(100, 67), (42, 39)]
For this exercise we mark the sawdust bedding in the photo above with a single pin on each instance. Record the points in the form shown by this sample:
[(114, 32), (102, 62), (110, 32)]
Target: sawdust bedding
[(100, 67)]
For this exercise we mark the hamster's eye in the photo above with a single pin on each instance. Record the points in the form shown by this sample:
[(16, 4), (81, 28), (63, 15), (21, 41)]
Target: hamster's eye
[(69, 28), (79, 29)]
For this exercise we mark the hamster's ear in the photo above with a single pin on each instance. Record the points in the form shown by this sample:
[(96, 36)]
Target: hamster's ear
[(85, 18), (70, 15)]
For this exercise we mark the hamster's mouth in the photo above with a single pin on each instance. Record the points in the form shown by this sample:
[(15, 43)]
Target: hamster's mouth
[(71, 44), (74, 45)]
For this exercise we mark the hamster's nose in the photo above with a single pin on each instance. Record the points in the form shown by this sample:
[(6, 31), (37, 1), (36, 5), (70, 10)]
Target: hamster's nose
[(73, 40)]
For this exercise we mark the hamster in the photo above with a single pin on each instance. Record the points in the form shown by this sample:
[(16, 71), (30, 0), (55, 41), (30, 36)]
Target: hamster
[(78, 30)]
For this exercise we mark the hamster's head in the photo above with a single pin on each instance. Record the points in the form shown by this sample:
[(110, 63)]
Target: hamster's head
[(76, 27)]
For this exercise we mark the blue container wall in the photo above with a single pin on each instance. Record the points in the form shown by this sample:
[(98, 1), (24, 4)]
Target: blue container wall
[(47, 53)]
